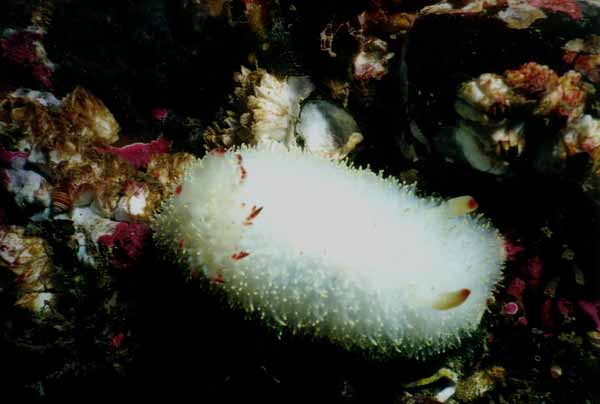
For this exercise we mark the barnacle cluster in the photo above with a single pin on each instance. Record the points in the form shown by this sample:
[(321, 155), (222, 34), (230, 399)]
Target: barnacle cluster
[(492, 109), (514, 13), (28, 258), (64, 152), (584, 55), (59, 164), (265, 109)]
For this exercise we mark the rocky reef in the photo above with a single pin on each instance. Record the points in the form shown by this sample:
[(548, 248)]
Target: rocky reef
[(105, 107)]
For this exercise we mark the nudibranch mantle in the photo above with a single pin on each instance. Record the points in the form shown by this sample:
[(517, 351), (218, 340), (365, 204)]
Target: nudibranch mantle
[(321, 248)]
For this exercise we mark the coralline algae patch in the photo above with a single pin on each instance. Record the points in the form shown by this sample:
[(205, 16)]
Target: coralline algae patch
[(316, 247)]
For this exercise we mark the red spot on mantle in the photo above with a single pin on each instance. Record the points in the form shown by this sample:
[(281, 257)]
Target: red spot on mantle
[(242, 169), (240, 255), (253, 213), (219, 151), (178, 190)]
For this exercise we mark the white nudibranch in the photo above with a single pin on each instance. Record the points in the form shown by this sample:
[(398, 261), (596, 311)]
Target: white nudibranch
[(317, 247)]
